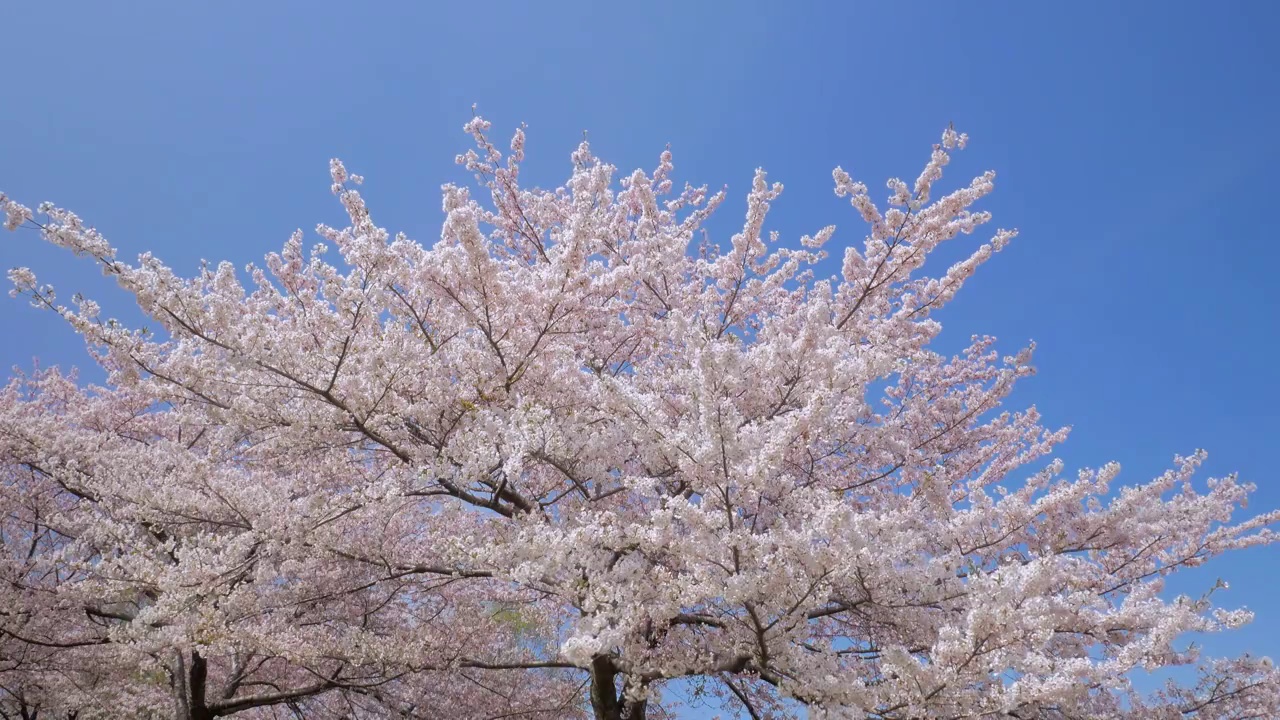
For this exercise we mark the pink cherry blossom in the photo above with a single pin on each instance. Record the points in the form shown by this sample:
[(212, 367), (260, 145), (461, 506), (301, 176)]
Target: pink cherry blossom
[(570, 453)]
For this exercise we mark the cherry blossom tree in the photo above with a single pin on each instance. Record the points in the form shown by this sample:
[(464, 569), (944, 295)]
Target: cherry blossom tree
[(573, 452)]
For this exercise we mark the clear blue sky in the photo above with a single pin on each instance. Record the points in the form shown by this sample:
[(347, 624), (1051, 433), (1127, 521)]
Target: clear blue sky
[(1133, 143)]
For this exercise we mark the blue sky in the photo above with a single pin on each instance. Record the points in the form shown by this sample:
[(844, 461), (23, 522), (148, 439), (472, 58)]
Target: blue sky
[(1133, 144)]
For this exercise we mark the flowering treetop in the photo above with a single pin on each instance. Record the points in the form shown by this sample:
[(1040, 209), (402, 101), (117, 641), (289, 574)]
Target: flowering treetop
[(574, 451)]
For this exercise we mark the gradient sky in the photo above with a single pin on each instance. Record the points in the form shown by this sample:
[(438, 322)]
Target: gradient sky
[(1133, 144)]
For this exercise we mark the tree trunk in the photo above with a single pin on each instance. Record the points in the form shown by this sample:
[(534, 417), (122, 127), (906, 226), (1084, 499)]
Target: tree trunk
[(606, 700), (188, 679)]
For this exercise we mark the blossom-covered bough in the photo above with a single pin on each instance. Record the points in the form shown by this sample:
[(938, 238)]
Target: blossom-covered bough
[(569, 454)]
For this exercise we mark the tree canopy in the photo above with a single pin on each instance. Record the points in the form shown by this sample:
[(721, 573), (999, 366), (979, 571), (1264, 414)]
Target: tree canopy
[(572, 452)]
